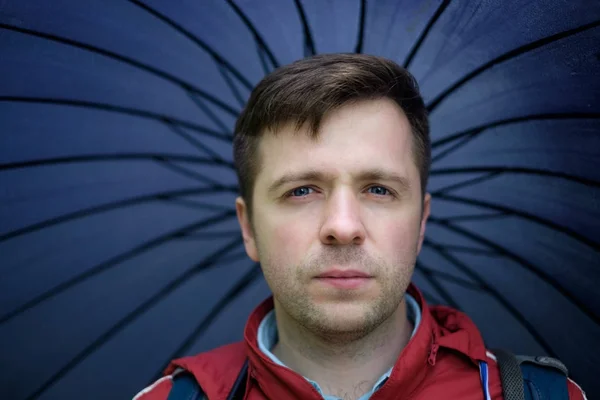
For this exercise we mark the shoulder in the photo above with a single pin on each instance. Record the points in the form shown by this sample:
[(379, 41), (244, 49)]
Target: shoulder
[(574, 390), (209, 368), (216, 365)]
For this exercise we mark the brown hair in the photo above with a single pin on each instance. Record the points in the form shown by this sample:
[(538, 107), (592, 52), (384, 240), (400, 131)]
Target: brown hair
[(302, 93)]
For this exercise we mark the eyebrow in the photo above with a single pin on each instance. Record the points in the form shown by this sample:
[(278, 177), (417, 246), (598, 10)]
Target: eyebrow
[(402, 182)]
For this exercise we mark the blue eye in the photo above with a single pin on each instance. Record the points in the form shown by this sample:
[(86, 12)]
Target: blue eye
[(301, 191), (378, 190)]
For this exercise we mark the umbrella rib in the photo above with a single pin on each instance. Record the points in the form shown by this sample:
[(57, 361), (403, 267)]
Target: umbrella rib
[(219, 59), (210, 235), (232, 87), (109, 157), (113, 262), (263, 60), (469, 182), (132, 316), (446, 276), (495, 294), (417, 46), (480, 217), (466, 249), (197, 176), (361, 27), (521, 214), (505, 57), (199, 206), (120, 110), (208, 112), (524, 263), (129, 61), (200, 146), (240, 286), (257, 37), (160, 159), (534, 117), (518, 170), (465, 139), (309, 44), (86, 212), (427, 274)]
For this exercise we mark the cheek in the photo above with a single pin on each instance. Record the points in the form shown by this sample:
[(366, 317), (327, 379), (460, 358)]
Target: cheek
[(282, 246), (291, 235), (400, 236), (289, 246), (281, 254)]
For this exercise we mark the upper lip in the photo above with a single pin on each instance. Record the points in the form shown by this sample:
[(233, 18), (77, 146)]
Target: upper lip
[(348, 273)]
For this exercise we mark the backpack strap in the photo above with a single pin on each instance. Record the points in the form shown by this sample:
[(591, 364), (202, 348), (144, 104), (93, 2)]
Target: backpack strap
[(185, 386), (510, 375), (532, 378)]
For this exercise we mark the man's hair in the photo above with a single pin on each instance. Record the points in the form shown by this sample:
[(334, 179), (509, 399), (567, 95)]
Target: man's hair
[(306, 91)]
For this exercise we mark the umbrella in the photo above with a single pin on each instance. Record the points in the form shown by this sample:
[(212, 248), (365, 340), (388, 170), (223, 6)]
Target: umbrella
[(119, 247)]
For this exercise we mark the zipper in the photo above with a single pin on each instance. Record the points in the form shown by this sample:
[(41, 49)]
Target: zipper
[(433, 353)]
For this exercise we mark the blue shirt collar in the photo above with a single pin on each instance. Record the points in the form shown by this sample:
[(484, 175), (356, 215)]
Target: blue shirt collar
[(268, 337)]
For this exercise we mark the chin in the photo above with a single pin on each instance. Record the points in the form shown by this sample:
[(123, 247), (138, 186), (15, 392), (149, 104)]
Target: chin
[(346, 317)]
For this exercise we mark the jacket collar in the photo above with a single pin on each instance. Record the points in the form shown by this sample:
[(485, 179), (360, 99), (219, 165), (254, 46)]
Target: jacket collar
[(440, 327)]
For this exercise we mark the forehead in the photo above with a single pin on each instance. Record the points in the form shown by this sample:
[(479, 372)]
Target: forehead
[(369, 135)]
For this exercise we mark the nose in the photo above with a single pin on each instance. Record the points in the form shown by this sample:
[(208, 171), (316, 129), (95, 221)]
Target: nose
[(342, 224)]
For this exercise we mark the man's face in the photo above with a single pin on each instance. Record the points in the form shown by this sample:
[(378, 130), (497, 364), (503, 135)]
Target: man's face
[(338, 221)]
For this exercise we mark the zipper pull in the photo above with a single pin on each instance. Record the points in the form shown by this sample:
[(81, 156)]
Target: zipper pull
[(433, 353)]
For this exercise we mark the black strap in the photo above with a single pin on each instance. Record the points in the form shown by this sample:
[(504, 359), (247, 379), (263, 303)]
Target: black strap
[(510, 375), (239, 386), (185, 386), (525, 377)]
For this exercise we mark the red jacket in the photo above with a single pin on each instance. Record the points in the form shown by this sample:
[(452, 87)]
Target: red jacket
[(441, 361)]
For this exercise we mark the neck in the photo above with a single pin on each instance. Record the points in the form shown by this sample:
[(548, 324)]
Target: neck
[(344, 368)]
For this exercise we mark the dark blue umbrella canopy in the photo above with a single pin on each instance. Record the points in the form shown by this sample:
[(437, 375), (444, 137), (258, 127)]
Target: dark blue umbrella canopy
[(119, 246)]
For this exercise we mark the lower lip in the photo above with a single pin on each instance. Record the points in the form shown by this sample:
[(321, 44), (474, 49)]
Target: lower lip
[(345, 283)]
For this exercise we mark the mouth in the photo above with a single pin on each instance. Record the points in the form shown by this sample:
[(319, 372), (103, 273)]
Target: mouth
[(344, 279), (343, 274)]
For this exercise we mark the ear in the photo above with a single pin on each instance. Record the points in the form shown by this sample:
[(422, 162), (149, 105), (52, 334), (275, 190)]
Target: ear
[(424, 217), (246, 227)]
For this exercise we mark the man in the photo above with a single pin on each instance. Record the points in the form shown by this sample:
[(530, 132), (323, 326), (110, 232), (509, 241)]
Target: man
[(333, 156)]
